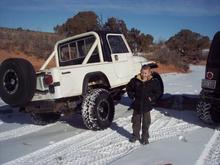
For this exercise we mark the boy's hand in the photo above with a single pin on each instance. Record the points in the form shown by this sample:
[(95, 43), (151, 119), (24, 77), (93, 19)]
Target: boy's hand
[(149, 99), (152, 102)]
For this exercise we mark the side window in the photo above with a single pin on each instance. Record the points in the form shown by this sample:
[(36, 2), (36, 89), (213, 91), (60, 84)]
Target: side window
[(81, 48), (94, 57), (64, 53), (88, 43), (75, 51), (85, 45), (117, 44)]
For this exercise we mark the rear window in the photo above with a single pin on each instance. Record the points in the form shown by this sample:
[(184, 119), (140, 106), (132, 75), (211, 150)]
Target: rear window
[(117, 44)]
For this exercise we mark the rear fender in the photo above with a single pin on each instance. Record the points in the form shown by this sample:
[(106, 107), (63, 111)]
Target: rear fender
[(98, 77)]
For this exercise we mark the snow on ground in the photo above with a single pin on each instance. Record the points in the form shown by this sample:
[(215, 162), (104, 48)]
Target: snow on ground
[(211, 154), (176, 137), (21, 131), (108, 145)]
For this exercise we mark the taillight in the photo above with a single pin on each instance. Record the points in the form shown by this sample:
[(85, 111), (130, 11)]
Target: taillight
[(48, 79), (209, 75)]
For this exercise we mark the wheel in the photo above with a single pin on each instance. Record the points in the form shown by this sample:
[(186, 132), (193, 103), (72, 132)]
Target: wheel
[(207, 113), (44, 118), (98, 109), (158, 77), (17, 81), (203, 110)]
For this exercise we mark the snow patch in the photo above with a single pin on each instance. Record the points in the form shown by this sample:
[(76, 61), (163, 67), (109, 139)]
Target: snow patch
[(182, 138), (21, 131), (211, 154)]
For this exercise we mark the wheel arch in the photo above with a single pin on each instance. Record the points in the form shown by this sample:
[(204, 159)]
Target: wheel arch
[(95, 77)]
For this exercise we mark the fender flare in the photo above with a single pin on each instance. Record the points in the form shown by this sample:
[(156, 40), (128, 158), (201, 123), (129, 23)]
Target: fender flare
[(95, 76)]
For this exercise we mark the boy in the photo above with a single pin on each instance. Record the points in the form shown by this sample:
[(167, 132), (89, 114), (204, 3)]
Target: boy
[(145, 90)]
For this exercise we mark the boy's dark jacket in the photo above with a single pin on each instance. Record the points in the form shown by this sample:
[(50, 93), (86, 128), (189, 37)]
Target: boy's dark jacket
[(145, 94)]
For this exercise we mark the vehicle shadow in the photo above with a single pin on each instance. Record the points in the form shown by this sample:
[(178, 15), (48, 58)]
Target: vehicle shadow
[(179, 102), (74, 120), (10, 114), (179, 106), (171, 101)]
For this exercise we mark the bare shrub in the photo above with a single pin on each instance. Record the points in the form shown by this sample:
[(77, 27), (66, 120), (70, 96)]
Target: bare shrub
[(164, 56), (38, 44)]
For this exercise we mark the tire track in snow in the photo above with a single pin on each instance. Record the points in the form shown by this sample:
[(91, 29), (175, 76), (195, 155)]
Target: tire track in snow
[(102, 147), (21, 131), (211, 155)]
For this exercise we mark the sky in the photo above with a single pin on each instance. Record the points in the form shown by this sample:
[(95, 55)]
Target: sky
[(160, 18)]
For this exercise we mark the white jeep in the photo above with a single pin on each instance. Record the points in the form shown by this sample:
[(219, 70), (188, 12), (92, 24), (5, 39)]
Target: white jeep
[(92, 69)]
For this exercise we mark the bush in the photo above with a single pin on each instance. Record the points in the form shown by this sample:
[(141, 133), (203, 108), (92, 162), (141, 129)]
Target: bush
[(164, 56), (39, 44)]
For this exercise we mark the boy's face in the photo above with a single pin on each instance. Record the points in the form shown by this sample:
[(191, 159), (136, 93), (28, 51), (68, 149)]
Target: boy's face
[(145, 73)]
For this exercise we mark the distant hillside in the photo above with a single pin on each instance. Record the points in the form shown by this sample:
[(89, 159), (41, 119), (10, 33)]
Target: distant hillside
[(36, 62), (179, 51), (39, 44)]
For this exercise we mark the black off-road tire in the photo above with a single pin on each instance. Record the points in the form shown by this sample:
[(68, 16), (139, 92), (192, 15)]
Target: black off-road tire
[(207, 113), (158, 77), (98, 109), (17, 81), (44, 118), (203, 110)]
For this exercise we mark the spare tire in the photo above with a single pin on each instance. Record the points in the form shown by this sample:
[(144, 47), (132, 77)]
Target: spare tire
[(158, 77), (17, 81)]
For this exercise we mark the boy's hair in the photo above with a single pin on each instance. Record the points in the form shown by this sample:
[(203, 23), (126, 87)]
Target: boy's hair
[(145, 67)]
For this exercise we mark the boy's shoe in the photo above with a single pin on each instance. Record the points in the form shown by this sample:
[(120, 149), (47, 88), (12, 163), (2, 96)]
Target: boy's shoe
[(144, 141), (133, 139)]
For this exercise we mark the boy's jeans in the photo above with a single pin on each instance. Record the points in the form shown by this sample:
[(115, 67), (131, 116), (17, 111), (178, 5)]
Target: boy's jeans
[(137, 119)]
